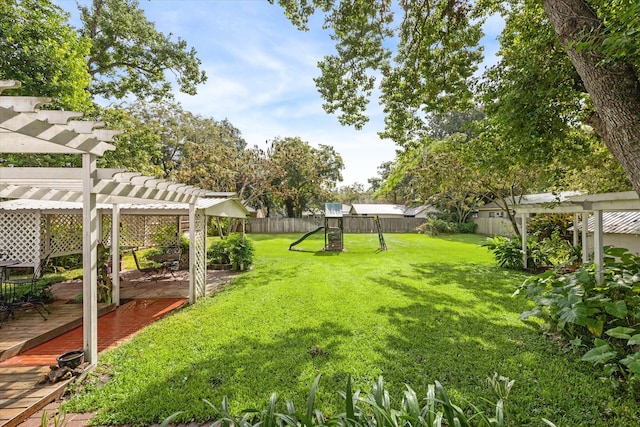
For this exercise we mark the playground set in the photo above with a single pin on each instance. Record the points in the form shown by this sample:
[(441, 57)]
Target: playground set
[(334, 229)]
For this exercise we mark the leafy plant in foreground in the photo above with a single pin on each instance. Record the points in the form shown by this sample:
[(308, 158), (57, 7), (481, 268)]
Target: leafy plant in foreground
[(604, 318), (506, 251), (374, 409)]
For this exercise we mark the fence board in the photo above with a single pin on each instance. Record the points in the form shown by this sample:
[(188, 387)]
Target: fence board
[(351, 225), (494, 226)]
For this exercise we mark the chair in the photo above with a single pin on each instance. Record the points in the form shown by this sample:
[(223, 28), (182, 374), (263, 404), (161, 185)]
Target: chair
[(146, 271), (173, 255), (33, 296), (7, 297)]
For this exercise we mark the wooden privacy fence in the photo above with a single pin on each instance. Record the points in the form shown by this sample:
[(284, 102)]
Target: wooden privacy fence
[(351, 225), (494, 226)]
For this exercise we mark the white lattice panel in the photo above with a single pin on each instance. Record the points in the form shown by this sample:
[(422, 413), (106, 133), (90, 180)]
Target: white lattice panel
[(20, 237), (199, 264), (28, 236), (105, 234), (145, 231), (63, 232)]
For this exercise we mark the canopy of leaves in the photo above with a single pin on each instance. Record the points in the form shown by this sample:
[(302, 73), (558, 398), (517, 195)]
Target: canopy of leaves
[(425, 56), (129, 56), (302, 176), (39, 49)]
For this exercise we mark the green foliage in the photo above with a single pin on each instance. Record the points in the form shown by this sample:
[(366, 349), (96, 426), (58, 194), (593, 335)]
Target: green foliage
[(540, 254), (41, 50), (138, 149), (373, 409), (302, 176), (542, 128), (545, 226), (236, 250), (217, 253), (166, 235), (507, 252), (435, 226), (240, 251), (603, 318), (105, 286), (130, 57)]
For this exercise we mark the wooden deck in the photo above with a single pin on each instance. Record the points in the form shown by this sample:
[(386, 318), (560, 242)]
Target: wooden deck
[(28, 329), (21, 395)]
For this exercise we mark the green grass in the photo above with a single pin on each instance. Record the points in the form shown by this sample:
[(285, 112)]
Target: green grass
[(428, 309)]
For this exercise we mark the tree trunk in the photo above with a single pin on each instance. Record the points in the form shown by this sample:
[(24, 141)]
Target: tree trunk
[(289, 207), (614, 87)]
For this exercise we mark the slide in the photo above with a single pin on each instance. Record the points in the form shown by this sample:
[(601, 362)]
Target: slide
[(305, 236)]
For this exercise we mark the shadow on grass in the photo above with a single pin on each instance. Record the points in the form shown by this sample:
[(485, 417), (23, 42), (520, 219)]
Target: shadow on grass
[(238, 370)]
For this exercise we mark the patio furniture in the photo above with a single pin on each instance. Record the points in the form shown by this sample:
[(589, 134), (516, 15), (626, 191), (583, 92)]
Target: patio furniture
[(4, 263), (26, 293), (170, 259), (146, 270), (7, 296)]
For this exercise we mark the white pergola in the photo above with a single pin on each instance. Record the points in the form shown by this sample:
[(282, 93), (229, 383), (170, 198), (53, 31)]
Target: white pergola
[(25, 129), (583, 206)]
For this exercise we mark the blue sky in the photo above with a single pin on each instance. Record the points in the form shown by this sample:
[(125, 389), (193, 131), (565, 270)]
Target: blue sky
[(260, 72)]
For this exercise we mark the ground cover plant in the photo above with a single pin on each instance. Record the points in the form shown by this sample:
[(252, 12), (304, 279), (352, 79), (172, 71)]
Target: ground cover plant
[(602, 318), (428, 309)]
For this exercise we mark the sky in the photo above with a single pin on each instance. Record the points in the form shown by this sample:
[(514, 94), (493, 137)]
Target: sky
[(260, 71)]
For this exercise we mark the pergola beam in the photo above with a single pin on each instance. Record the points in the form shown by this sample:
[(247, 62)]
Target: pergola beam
[(584, 204)]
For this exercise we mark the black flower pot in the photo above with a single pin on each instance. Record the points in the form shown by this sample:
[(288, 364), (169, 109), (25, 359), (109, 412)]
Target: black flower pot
[(71, 359)]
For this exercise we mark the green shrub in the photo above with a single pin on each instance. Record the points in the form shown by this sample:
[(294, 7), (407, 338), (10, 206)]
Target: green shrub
[(506, 252), (544, 226), (436, 226), (218, 253), (236, 250), (240, 251), (466, 227), (602, 318)]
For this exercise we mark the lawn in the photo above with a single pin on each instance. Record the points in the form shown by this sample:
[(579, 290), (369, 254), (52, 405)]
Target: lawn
[(427, 309)]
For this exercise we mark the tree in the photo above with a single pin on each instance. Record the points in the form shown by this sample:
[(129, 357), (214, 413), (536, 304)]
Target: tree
[(393, 183), (138, 148), (577, 59), (39, 49), (302, 176), (350, 194), (130, 57)]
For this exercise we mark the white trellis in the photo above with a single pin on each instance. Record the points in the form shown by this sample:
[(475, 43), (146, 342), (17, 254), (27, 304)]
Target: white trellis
[(17, 244), (200, 254)]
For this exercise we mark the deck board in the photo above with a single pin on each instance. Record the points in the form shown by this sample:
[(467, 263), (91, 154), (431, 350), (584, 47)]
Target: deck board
[(28, 329), (21, 399)]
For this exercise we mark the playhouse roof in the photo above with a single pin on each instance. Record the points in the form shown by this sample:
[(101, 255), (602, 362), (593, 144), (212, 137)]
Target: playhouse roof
[(333, 210)]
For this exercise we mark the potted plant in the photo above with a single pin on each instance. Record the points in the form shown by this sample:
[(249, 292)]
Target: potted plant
[(240, 251), (218, 256)]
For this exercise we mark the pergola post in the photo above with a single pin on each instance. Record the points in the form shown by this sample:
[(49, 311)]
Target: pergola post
[(598, 245), (523, 232), (192, 252), (89, 259), (575, 229), (585, 237), (115, 254)]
